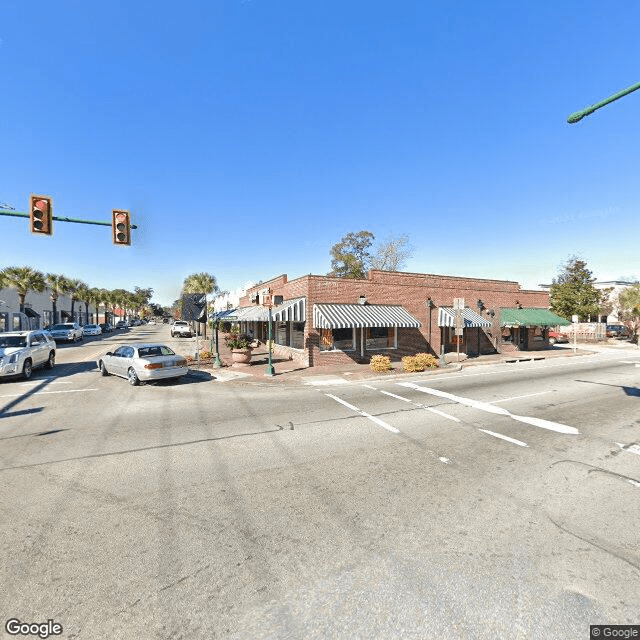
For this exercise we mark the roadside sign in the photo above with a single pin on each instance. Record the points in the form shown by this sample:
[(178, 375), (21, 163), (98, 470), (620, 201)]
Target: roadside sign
[(459, 323)]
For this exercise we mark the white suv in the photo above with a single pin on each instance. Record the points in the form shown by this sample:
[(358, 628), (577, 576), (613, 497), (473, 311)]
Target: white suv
[(69, 331), (21, 351), (180, 328)]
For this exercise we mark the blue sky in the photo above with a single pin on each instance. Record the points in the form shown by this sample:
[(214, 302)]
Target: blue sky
[(247, 137)]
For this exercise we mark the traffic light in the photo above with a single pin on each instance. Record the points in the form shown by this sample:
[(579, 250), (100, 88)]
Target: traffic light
[(121, 226), (41, 215)]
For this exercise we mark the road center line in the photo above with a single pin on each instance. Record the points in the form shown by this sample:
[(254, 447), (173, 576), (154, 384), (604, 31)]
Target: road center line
[(379, 422), (489, 408)]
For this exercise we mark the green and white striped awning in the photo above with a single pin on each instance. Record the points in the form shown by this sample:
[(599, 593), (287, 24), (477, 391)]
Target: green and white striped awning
[(447, 318), (343, 316)]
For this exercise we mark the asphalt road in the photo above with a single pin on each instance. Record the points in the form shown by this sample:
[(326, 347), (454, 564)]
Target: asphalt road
[(502, 501)]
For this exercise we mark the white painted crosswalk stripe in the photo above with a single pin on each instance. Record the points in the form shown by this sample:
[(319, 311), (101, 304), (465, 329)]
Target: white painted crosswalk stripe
[(442, 414), (503, 437), (489, 408), (377, 421)]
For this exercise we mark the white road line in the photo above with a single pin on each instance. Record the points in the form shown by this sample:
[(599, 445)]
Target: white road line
[(379, 422), (422, 406), (631, 448), (489, 408), (499, 435), (39, 393)]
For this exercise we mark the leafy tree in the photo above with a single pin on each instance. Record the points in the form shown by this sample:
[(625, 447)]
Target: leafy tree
[(572, 291), (23, 279), (200, 283), (629, 301), (350, 258), (56, 284), (392, 254)]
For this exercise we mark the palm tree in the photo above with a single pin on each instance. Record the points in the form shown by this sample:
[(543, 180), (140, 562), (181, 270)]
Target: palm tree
[(201, 283), (56, 284), (73, 284), (93, 297), (83, 295), (104, 298), (23, 279)]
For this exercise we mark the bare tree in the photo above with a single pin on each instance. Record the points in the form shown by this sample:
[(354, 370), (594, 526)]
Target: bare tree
[(392, 254)]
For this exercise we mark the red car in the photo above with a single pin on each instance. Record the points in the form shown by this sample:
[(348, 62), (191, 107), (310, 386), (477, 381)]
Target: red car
[(557, 337)]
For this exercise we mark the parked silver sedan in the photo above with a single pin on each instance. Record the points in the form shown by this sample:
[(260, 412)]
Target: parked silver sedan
[(143, 363)]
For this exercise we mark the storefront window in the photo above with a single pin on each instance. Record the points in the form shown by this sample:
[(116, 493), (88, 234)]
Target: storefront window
[(380, 338), (337, 339), (4, 321), (297, 335)]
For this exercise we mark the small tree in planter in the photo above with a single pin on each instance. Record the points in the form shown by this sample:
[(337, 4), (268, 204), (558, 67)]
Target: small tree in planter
[(240, 345)]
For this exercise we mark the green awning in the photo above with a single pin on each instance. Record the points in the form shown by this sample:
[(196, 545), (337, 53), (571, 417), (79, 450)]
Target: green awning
[(530, 318)]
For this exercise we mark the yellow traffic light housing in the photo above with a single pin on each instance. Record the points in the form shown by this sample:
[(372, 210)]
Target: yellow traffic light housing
[(41, 215), (121, 227)]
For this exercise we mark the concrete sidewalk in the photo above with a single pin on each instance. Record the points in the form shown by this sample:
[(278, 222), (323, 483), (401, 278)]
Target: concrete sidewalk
[(288, 372)]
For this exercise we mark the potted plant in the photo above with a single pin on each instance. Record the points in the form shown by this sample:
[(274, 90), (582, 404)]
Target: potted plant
[(240, 345)]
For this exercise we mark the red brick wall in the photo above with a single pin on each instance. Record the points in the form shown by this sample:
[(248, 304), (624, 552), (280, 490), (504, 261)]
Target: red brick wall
[(410, 290)]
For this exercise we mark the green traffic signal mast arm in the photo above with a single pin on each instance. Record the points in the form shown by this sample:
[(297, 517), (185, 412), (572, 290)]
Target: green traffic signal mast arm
[(578, 115), (19, 214)]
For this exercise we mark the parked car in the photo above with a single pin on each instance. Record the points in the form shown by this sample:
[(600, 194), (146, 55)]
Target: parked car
[(66, 332), (143, 363), (555, 337), (106, 327), (122, 324), (151, 322), (91, 330), (22, 351), (181, 328), (617, 331)]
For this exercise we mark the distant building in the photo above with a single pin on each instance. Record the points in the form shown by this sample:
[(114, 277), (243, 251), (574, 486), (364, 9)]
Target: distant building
[(38, 309)]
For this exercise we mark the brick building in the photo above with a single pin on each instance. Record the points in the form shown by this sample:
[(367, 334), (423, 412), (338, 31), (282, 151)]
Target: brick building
[(323, 320)]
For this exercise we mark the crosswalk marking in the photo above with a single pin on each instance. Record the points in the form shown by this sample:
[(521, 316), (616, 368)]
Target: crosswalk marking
[(489, 408), (379, 422), (442, 414), (502, 437)]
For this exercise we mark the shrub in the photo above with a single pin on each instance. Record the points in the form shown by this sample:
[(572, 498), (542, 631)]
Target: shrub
[(419, 362), (380, 363), (426, 360), (205, 355)]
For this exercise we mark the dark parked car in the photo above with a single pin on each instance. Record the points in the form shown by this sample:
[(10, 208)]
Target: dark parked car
[(617, 331), (106, 327)]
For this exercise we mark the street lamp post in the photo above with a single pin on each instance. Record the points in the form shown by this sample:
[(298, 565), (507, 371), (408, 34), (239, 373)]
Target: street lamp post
[(578, 115), (270, 370)]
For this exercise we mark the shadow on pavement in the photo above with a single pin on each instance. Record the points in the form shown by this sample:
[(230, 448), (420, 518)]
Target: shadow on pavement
[(630, 391)]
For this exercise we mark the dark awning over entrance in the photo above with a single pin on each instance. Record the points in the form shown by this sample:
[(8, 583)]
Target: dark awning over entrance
[(30, 313), (343, 316), (447, 318), (530, 318)]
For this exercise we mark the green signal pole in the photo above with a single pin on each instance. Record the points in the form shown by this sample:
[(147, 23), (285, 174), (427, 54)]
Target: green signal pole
[(578, 115), (20, 214)]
